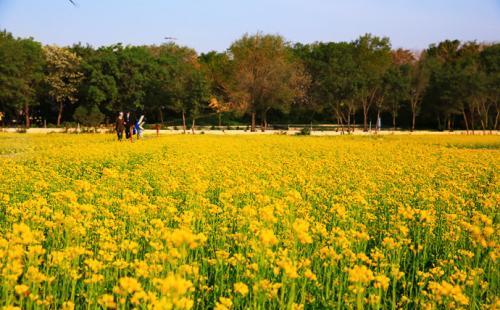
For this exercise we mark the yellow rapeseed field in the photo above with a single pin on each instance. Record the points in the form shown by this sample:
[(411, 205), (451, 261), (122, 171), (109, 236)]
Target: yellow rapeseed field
[(237, 222)]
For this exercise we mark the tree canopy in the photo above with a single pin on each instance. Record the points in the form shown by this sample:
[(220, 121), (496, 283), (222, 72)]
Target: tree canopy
[(259, 78)]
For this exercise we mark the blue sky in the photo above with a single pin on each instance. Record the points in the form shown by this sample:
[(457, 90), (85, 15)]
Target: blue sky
[(213, 24)]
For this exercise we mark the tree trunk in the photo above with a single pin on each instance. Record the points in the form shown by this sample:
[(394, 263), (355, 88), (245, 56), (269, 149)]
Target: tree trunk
[(341, 123), (353, 122), (413, 119), (377, 124), (449, 123), (59, 116), (264, 120), (466, 122), (160, 114), (252, 128), (349, 122), (365, 117), (338, 121), (192, 125), (472, 121), (496, 120), (220, 120), (184, 121), (27, 116), (394, 121), (483, 125)]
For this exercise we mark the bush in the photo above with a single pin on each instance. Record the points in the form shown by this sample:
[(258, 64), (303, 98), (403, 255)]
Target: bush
[(68, 125), (90, 117), (306, 131)]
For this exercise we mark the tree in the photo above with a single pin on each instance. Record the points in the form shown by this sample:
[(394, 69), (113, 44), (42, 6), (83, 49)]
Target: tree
[(446, 82), (266, 75), (159, 93), (217, 70), (396, 84), (21, 64), (373, 56), (63, 75), (135, 66), (91, 117), (219, 108), (334, 72), (490, 65), (258, 75), (419, 80), (100, 72), (188, 90), (472, 83), (197, 95)]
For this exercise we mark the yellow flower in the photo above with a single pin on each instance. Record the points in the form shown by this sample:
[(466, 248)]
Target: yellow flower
[(94, 265), (22, 290), (267, 237), (224, 304), (68, 305), (360, 274), (107, 301), (301, 229), (177, 222), (381, 281), (241, 288), (297, 306), (447, 290), (288, 268), (183, 303), (127, 286), (180, 237), (309, 275), (95, 278), (173, 285)]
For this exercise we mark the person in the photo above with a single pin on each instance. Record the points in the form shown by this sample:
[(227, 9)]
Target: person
[(138, 126), (130, 128), (126, 125), (120, 126)]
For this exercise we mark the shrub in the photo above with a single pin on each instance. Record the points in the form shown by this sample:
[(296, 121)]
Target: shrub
[(90, 117), (306, 131)]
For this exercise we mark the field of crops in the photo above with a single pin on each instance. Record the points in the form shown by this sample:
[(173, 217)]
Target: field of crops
[(180, 222)]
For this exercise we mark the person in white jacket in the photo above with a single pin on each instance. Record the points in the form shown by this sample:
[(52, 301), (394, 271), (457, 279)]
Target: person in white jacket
[(138, 127)]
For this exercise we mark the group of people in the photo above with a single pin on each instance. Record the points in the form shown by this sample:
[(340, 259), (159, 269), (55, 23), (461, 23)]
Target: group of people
[(128, 123)]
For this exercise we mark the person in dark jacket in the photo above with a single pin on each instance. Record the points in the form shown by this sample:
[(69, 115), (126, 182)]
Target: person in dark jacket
[(126, 124), (120, 126)]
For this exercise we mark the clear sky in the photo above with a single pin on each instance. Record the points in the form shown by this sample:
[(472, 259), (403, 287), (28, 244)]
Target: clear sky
[(213, 24)]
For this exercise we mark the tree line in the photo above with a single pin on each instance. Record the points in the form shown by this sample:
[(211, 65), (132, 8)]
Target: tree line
[(260, 78)]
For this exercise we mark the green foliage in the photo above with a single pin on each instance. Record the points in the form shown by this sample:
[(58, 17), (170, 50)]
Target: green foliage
[(305, 131), (91, 117), (62, 76), (21, 64), (464, 81), (265, 75), (334, 72), (451, 83)]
